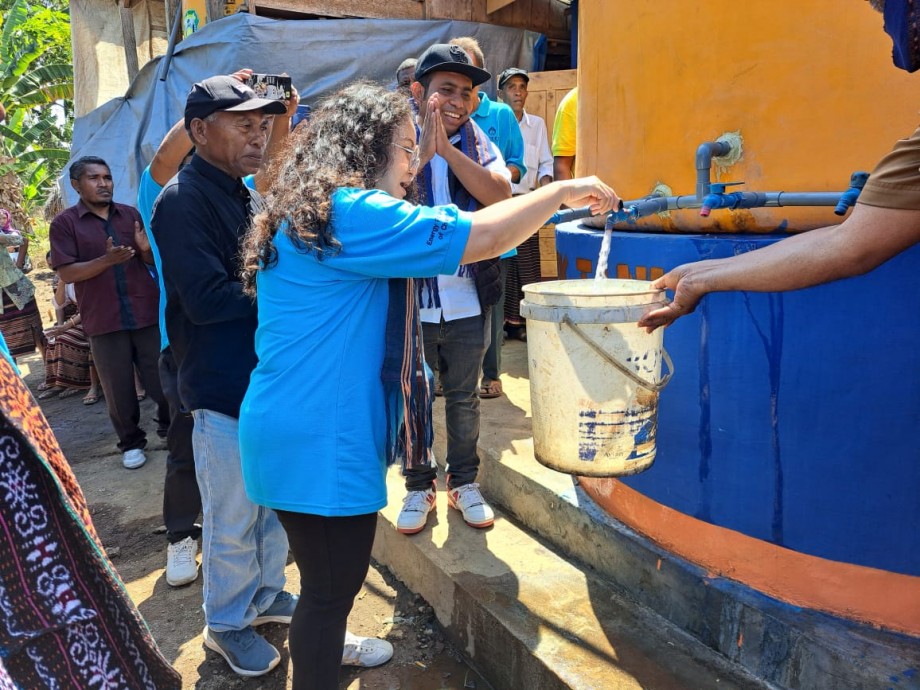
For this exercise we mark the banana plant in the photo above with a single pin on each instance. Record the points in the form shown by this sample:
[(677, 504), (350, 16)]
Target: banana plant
[(35, 78)]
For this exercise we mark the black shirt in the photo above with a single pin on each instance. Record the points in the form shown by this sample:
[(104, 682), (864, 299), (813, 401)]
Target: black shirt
[(198, 223)]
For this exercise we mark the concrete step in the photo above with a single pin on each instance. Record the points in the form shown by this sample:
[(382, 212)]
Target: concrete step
[(530, 619), (785, 646)]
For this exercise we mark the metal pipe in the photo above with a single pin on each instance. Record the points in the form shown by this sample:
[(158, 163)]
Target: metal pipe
[(171, 47), (705, 152), (631, 211)]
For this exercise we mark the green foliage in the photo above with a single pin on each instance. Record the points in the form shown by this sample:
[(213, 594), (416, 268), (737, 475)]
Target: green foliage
[(36, 88)]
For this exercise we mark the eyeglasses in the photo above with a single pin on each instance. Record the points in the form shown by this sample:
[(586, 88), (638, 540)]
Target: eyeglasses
[(414, 153)]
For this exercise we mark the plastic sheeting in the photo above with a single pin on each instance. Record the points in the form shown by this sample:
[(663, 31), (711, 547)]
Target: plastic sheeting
[(99, 66), (320, 55)]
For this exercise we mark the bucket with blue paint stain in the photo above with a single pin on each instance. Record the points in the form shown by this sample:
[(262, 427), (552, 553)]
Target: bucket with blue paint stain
[(595, 376)]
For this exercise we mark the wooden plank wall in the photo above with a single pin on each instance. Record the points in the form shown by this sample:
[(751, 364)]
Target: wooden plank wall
[(544, 91), (546, 16)]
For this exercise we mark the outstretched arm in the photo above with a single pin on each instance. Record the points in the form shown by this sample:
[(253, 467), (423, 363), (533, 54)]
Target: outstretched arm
[(500, 227), (867, 238)]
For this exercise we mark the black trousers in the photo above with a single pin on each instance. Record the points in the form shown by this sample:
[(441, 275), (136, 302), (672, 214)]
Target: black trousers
[(333, 555), (115, 356), (181, 497)]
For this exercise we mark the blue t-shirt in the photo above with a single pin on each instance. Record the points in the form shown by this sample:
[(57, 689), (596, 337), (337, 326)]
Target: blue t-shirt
[(313, 422), (497, 120), (5, 352), (147, 192)]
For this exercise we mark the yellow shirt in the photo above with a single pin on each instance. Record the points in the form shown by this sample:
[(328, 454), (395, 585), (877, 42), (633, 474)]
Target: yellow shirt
[(564, 125)]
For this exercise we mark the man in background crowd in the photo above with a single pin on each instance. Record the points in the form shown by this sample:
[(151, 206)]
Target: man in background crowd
[(102, 248)]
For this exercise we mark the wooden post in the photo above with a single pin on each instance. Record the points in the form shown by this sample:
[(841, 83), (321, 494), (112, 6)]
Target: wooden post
[(127, 33)]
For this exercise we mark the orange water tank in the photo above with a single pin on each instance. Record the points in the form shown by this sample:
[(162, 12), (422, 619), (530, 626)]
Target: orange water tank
[(809, 86)]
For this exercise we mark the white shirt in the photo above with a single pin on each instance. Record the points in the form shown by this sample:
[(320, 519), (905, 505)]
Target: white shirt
[(458, 295), (537, 155)]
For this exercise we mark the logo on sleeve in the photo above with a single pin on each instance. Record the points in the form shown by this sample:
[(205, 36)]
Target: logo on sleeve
[(437, 232)]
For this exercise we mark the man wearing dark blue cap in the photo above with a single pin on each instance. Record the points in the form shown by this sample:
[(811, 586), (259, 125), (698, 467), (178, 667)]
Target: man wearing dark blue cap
[(198, 222), (459, 165)]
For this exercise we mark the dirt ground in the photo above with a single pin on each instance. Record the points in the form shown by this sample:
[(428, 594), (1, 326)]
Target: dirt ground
[(126, 506)]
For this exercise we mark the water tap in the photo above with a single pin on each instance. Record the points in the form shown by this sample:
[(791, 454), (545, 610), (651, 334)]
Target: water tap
[(849, 197), (717, 198)]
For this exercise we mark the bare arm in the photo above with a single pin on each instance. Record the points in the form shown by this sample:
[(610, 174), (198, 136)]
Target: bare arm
[(23, 253), (563, 167), (84, 270), (866, 239), (498, 228), (170, 154), (277, 139), (60, 298), (143, 244)]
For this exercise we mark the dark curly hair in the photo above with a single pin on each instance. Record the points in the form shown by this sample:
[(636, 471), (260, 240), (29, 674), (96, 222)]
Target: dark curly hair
[(346, 143)]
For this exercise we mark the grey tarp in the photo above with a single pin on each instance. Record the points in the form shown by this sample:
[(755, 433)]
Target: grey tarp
[(320, 56)]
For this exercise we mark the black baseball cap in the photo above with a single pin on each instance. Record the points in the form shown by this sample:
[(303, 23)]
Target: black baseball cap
[(226, 94), (512, 72), (443, 57)]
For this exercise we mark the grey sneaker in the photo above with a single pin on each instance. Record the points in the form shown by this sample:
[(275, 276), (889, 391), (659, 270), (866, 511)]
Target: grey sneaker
[(134, 458), (280, 611), (248, 653), (181, 566)]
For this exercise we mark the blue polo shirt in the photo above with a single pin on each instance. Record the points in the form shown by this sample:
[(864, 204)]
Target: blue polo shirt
[(497, 120), (313, 422), (147, 192)]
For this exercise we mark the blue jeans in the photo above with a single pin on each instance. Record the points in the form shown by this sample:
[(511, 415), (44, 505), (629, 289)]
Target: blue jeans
[(244, 548), (455, 350)]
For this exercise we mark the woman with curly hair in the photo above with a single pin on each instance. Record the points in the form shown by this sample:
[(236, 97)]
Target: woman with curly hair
[(339, 390)]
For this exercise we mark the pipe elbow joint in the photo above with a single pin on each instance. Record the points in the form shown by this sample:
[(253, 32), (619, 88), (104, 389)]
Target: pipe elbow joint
[(847, 199), (711, 201)]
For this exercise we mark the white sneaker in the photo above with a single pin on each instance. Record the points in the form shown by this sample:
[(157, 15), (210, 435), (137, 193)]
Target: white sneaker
[(469, 501), (134, 458), (414, 513), (365, 651), (181, 566)]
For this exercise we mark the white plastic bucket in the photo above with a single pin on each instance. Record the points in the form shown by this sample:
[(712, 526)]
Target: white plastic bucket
[(594, 375)]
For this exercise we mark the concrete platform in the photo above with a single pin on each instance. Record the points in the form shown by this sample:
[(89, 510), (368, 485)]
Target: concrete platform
[(519, 599), (529, 619)]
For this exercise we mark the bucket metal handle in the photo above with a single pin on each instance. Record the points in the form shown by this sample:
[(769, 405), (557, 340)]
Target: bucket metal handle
[(626, 371)]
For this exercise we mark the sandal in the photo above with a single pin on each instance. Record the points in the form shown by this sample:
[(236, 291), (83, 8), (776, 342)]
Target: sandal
[(68, 392), (49, 392), (91, 398), (490, 389)]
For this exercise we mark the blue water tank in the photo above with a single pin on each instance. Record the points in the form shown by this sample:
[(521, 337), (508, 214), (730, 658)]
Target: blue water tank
[(793, 417)]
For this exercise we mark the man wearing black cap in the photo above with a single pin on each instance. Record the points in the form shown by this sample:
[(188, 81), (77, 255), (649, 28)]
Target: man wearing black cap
[(198, 222), (459, 165)]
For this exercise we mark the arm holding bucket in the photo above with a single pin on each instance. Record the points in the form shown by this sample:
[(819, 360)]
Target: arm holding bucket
[(867, 238), (504, 225)]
